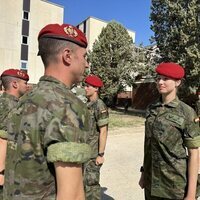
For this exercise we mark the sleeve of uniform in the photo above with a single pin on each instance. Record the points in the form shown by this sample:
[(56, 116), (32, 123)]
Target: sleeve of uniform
[(3, 118), (102, 115), (65, 139), (192, 131), (3, 134)]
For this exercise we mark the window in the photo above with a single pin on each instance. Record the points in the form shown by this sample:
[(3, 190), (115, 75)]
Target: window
[(24, 64), (25, 15), (24, 39)]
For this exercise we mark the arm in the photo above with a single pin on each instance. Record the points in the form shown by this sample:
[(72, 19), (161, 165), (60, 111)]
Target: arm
[(3, 146), (102, 143), (69, 181), (192, 173)]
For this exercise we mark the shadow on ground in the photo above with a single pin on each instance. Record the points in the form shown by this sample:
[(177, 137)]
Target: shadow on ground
[(130, 111), (105, 196)]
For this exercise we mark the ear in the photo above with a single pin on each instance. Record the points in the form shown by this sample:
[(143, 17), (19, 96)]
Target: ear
[(178, 83), (14, 84), (67, 56)]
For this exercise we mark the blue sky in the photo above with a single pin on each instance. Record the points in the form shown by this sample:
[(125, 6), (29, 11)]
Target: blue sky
[(133, 14)]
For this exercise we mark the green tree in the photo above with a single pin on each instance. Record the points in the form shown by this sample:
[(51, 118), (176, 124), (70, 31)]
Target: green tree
[(177, 34), (113, 59)]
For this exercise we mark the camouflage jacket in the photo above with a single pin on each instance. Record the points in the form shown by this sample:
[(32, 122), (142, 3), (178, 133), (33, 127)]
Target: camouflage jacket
[(99, 116), (169, 129), (50, 124), (198, 107), (7, 103)]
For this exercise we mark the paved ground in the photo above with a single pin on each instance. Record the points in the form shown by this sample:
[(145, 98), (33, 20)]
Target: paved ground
[(120, 173)]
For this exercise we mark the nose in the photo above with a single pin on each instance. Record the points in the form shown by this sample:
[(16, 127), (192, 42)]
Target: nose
[(160, 81)]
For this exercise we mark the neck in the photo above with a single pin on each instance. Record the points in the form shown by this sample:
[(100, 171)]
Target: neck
[(94, 97), (13, 93), (58, 73), (167, 98)]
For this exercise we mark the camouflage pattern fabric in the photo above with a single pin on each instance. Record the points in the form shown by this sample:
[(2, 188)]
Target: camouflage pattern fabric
[(80, 93), (99, 115), (7, 103), (91, 180), (198, 113), (50, 124), (198, 108), (169, 129), (149, 197)]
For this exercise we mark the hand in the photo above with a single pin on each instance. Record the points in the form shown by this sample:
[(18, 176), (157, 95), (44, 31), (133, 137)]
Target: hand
[(99, 160), (141, 181), (1, 179)]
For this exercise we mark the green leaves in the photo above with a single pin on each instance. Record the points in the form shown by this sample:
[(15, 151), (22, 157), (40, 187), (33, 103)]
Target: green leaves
[(177, 34)]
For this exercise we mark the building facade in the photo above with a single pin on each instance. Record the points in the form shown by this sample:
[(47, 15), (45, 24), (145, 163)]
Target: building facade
[(20, 22), (92, 28)]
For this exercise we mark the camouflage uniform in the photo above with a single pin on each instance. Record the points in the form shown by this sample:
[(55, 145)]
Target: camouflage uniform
[(80, 93), (7, 103), (198, 107), (50, 124), (99, 115), (169, 129), (198, 113)]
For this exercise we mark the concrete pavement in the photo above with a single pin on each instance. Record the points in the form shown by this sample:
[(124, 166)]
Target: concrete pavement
[(124, 156)]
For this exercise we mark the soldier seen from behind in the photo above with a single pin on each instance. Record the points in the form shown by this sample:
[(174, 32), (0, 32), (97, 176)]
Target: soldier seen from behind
[(48, 131)]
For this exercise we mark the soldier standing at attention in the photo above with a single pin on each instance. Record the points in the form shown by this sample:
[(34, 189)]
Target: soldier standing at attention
[(14, 82), (97, 138), (48, 131), (170, 166)]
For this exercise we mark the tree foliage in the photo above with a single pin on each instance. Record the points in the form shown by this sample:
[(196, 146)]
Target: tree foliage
[(116, 60), (177, 34)]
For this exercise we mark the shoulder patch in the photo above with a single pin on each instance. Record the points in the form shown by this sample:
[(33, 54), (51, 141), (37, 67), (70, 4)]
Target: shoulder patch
[(103, 111), (196, 120)]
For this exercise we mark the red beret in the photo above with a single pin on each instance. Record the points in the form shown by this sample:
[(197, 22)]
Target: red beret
[(64, 32), (16, 73), (94, 81), (171, 70)]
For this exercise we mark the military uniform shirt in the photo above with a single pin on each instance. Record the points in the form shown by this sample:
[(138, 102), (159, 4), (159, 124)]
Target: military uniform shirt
[(50, 124), (99, 115), (7, 103), (169, 129), (198, 107)]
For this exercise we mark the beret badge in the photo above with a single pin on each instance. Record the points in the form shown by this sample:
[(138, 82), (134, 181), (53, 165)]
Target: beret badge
[(70, 31)]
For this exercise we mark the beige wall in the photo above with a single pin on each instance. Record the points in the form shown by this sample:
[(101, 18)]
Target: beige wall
[(41, 14), (10, 33), (93, 29), (11, 11)]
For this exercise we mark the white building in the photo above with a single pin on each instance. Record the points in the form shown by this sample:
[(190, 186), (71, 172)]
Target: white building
[(92, 28), (20, 22)]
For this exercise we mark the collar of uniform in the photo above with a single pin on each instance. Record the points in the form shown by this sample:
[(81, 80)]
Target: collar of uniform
[(172, 104), (10, 96), (52, 79), (91, 103)]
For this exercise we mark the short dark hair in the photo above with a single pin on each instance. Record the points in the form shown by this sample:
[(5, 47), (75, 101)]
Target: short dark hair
[(6, 81), (50, 47)]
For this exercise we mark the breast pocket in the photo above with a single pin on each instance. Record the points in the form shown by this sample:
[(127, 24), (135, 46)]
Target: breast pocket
[(171, 136)]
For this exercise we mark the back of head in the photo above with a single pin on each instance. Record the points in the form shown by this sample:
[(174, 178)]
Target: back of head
[(54, 37), (10, 75)]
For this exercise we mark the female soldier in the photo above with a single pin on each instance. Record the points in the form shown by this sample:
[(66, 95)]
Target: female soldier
[(172, 139)]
